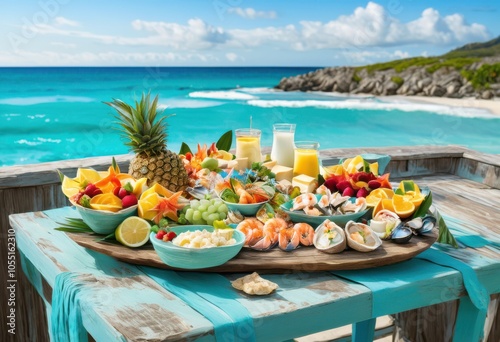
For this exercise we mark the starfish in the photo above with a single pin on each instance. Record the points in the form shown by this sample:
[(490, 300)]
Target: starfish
[(167, 207)]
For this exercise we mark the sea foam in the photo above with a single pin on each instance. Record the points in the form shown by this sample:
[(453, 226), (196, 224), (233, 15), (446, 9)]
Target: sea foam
[(26, 101), (222, 95), (370, 104)]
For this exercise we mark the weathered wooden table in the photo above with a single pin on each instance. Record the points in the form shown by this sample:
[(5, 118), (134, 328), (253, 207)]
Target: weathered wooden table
[(114, 301)]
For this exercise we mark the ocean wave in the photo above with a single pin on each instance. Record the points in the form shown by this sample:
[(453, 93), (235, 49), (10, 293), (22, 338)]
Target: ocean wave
[(26, 101), (38, 141), (373, 105), (222, 95), (185, 103)]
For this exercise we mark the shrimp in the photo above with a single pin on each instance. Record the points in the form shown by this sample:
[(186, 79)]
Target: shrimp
[(305, 232), (304, 200), (253, 230), (245, 197), (322, 190), (270, 234), (312, 211), (289, 239), (324, 201), (273, 227)]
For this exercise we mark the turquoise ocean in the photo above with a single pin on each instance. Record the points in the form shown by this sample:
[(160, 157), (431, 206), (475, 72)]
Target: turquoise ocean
[(49, 114)]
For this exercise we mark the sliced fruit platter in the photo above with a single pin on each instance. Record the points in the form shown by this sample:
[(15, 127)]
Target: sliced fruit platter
[(199, 203)]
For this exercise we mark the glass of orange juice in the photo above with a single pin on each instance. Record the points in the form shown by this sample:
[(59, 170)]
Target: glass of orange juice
[(306, 158), (248, 144)]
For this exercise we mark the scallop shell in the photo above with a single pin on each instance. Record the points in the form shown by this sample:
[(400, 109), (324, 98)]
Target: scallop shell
[(254, 284), (379, 224), (326, 245), (371, 240)]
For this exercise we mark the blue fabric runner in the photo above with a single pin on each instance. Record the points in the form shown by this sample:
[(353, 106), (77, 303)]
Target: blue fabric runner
[(476, 291), (213, 297), (66, 319), (382, 281)]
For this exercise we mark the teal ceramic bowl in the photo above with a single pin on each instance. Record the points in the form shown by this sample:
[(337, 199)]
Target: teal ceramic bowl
[(300, 216), (245, 209), (196, 258), (102, 221)]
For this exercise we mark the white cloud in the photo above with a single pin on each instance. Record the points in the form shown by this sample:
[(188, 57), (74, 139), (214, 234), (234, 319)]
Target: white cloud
[(61, 21), (64, 45), (251, 13), (368, 26), (231, 56)]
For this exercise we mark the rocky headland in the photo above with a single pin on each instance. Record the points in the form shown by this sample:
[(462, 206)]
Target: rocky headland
[(464, 72)]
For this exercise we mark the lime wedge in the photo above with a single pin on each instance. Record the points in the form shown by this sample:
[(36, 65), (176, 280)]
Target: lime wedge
[(133, 232)]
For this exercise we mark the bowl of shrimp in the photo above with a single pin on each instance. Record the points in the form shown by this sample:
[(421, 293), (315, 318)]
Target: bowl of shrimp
[(315, 208)]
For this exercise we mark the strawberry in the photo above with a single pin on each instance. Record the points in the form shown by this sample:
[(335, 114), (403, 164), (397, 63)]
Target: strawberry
[(374, 184), (362, 192), (342, 185), (122, 193), (160, 234), (91, 190), (128, 201), (348, 192), (169, 236)]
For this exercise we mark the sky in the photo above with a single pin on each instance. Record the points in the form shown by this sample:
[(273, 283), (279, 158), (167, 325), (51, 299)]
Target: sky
[(237, 32)]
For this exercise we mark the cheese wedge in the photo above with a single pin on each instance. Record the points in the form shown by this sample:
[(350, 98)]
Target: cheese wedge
[(282, 172), (270, 164), (305, 183)]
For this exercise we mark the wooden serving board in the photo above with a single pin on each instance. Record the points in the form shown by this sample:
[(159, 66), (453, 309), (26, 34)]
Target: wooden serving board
[(305, 259)]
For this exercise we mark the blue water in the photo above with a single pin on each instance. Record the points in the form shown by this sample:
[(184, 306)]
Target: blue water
[(49, 114)]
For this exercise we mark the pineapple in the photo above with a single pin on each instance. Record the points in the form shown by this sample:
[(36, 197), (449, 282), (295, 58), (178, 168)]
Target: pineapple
[(147, 137)]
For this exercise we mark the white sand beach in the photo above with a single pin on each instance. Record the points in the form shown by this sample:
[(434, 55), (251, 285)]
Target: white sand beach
[(492, 106)]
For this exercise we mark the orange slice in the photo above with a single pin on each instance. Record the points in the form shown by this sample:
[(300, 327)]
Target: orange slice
[(140, 186), (376, 195), (146, 205), (87, 175), (402, 207), (387, 204), (107, 201), (70, 187), (157, 189)]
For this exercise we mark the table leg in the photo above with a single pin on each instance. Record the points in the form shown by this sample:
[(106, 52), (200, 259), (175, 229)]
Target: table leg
[(364, 331), (469, 325)]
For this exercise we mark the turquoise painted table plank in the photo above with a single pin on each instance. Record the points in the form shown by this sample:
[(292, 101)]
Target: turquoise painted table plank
[(121, 286), (121, 297)]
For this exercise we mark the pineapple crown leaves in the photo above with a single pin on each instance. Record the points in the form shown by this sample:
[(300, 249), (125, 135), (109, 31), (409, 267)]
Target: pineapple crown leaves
[(140, 125)]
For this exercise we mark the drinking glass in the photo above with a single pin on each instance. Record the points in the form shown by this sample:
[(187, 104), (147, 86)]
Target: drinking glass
[(248, 145), (306, 158), (283, 147)]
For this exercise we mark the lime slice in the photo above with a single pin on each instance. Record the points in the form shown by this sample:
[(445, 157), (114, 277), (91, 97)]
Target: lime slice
[(133, 232)]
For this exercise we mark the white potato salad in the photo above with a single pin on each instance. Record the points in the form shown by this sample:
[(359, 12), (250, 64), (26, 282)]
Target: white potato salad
[(204, 239)]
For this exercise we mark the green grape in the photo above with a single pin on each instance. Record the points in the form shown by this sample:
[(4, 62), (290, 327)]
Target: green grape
[(211, 209), (222, 216), (205, 202), (204, 215), (200, 222), (189, 214), (196, 216), (222, 209), (194, 204), (203, 207), (213, 217)]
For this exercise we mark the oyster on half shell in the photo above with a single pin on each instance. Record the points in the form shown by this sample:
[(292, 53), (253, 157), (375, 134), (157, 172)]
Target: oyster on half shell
[(329, 238), (360, 237)]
